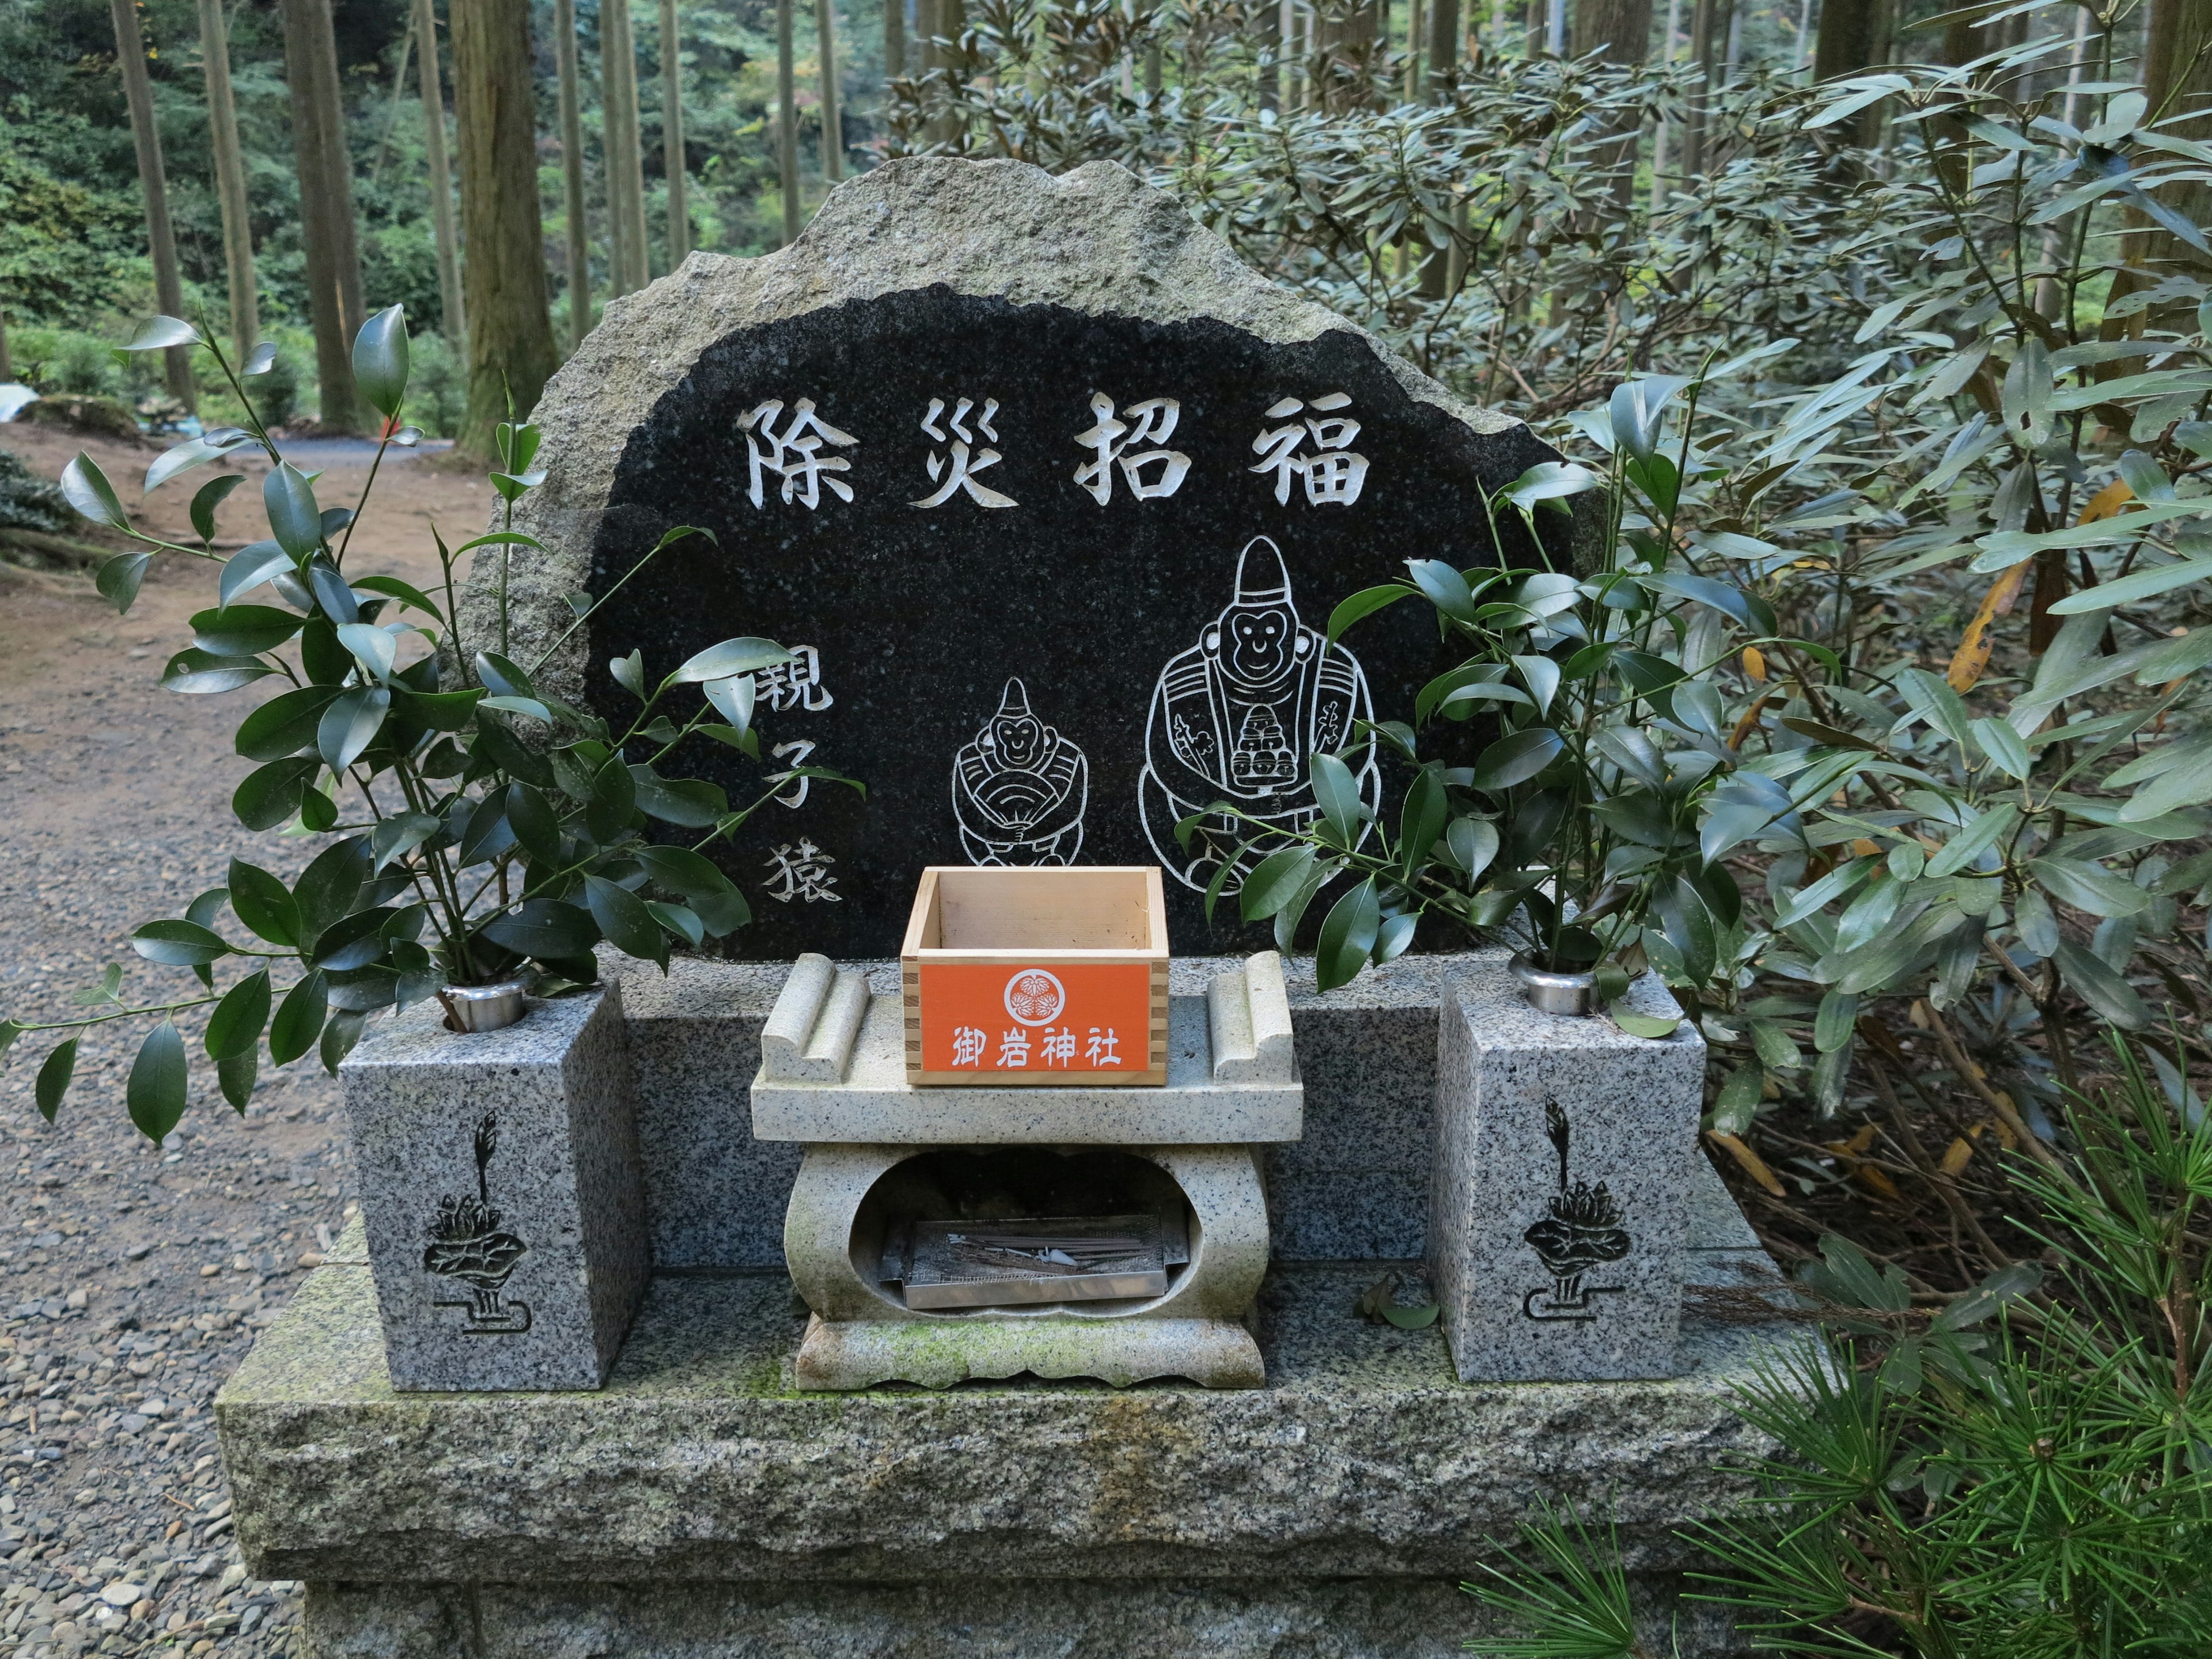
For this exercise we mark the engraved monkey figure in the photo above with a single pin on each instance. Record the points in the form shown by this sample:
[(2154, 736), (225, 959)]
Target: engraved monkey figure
[(1238, 718), (1019, 789)]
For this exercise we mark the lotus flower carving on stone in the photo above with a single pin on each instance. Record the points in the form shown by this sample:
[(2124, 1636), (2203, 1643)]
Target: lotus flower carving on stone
[(1580, 1229), (468, 1243)]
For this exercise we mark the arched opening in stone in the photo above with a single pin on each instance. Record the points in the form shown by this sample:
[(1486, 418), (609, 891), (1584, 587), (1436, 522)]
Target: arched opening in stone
[(943, 1217)]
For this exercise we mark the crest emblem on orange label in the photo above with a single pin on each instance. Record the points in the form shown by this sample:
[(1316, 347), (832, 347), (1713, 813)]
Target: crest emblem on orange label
[(1035, 997), (1074, 1019)]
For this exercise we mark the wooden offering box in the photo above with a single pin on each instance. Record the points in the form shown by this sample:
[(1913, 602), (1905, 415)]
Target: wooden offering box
[(1051, 974)]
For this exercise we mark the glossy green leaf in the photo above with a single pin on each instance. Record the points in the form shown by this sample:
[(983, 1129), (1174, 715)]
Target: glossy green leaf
[(1688, 925), (1422, 819), (350, 723), (243, 630), (284, 724), (486, 834), (330, 886), (154, 1093), (298, 1019), (380, 360), (176, 943), (530, 815), (545, 929), (688, 803), (1651, 1027), (339, 1036), (502, 677), (739, 656), (235, 1074), (1990, 825), (54, 1078), (374, 648), (624, 919), (1274, 882), (1364, 604), (264, 904), (1337, 793), (1347, 934), (294, 518), (2103, 990), (682, 870), (91, 494), (202, 674), (159, 333), (1472, 844), (234, 1028), (677, 919), (118, 578), (1517, 758), (251, 566), (614, 799), (351, 942), (269, 795), (2087, 886), (207, 498)]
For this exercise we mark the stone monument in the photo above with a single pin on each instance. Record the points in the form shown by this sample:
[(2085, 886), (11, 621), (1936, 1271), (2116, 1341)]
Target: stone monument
[(1051, 499), (985, 440)]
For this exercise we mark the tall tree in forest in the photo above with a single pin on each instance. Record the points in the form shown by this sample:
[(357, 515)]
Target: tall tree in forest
[(672, 133), (833, 121), (894, 39), (230, 180), (1701, 55), (622, 148), (572, 171), (1851, 35), (1620, 32), (327, 222), (786, 123), (1439, 270), (153, 185), (450, 298), (2178, 77), (511, 351)]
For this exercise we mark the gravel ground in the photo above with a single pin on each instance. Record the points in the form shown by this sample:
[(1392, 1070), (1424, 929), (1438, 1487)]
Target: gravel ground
[(133, 1279)]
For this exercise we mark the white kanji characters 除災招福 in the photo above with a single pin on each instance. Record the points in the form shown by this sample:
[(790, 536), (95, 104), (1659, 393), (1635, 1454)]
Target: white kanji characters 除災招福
[(956, 470), (1137, 445), (794, 452), (1332, 471)]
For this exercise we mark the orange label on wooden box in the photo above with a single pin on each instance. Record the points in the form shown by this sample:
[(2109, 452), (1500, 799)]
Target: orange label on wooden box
[(1092, 1018)]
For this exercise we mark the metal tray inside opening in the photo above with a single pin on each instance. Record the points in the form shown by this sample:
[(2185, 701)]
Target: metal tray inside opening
[(1026, 1260)]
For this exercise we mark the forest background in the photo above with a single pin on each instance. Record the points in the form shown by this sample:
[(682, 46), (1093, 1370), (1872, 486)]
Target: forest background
[(76, 274)]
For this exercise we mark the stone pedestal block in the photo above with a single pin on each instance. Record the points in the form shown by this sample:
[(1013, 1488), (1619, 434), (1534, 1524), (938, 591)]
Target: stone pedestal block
[(833, 1076), (1557, 1209), (500, 1183)]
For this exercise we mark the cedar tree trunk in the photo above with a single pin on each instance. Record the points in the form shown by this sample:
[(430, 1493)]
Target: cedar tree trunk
[(511, 352), (230, 181), (327, 227), (456, 322), (572, 171), (153, 184)]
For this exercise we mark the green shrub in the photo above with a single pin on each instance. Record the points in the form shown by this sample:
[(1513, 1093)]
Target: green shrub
[(30, 503)]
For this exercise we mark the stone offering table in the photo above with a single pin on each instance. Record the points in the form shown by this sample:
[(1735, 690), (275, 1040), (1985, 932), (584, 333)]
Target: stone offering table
[(702, 1504), (833, 1076)]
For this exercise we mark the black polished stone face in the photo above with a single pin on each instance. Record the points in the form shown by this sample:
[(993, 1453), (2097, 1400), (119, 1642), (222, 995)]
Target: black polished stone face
[(1040, 612)]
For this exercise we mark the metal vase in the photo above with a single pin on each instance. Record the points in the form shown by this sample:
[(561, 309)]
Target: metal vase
[(1551, 991), (479, 1008)]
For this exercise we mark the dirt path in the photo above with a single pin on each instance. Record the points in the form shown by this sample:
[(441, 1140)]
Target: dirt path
[(131, 1280)]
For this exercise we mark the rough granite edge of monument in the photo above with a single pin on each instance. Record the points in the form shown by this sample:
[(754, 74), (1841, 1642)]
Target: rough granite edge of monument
[(1119, 237)]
